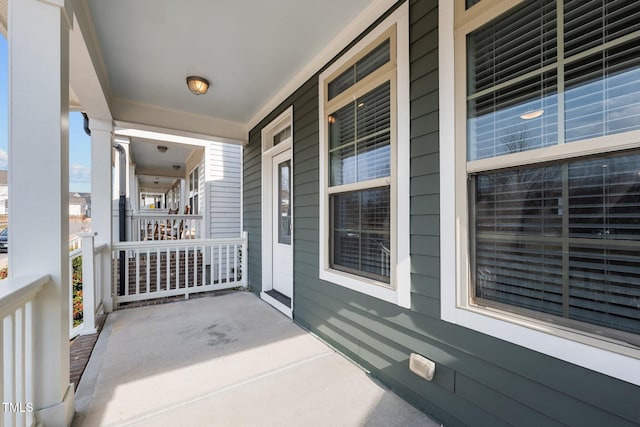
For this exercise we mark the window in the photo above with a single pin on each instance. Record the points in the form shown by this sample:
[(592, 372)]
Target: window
[(547, 171), (361, 155)]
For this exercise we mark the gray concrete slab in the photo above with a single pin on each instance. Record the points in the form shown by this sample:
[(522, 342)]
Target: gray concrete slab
[(228, 360)]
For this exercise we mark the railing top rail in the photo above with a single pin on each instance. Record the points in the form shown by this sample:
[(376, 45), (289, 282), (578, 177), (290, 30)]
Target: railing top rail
[(100, 248), (16, 291), (164, 216), (148, 244), (75, 252)]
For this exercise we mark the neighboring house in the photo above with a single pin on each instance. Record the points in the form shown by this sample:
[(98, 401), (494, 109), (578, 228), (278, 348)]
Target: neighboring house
[(79, 204), (207, 179), (4, 193), (386, 173)]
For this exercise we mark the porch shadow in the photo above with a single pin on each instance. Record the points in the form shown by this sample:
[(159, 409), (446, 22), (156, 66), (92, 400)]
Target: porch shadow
[(225, 360)]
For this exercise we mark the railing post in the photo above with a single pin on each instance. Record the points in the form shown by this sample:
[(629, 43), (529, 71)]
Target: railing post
[(245, 246), (88, 285)]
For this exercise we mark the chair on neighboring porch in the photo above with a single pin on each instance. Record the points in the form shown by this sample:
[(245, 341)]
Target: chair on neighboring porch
[(177, 235)]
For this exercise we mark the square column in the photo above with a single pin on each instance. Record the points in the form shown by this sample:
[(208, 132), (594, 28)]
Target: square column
[(101, 200), (38, 39)]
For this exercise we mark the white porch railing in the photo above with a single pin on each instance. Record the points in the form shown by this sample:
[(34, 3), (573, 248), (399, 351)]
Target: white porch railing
[(153, 226), (156, 269), (88, 277), (17, 374)]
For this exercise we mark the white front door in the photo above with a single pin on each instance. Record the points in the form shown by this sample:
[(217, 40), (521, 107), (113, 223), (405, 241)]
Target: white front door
[(282, 225)]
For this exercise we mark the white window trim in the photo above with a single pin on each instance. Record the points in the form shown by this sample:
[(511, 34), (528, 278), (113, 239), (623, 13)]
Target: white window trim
[(401, 294), (586, 350)]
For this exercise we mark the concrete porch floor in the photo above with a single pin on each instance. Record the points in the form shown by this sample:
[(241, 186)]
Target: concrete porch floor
[(227, 360)]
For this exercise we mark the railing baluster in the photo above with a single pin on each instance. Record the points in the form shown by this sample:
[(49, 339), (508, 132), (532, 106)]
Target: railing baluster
[(177, 268), (195, 266), (219, 264), (158, 283), (148, 269), (235, 262), (20, 398), (9, 365), (203, 252), (227, 272), (211, 265), (28, 360), (186, 268), (168, 267), (126, 273), (137, 270)]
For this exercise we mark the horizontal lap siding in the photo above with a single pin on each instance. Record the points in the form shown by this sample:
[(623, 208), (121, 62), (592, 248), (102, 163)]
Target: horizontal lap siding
[(252, 205), (479, 380), (223, 185)]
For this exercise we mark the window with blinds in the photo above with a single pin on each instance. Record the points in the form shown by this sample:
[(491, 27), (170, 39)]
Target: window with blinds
[(557, 239), (359, 116)]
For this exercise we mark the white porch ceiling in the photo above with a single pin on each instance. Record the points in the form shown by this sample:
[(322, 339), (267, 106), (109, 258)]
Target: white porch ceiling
[(249, 50)]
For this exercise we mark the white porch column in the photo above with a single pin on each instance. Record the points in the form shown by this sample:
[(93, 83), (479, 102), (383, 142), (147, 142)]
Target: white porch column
[(101, 200), (184, 200), (39, 159)]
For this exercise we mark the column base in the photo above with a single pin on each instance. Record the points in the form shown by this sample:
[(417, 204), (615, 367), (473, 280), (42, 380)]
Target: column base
[(59, 415)]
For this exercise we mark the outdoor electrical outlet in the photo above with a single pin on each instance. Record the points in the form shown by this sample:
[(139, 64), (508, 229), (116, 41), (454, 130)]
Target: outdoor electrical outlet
[(421, 366)]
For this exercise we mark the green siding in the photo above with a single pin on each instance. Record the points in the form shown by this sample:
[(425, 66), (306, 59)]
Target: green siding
[(479, 380)]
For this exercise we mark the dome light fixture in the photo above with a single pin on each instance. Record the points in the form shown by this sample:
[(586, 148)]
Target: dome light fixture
[(530, 115), (197, 85)]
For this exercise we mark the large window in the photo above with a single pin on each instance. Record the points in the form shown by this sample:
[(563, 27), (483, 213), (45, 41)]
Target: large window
[(361, 151), (549, 182)]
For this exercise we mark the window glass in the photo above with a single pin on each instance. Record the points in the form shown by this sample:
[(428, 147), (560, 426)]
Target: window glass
[(282, 135), (360, 138), (284, 203), (562, 239), (361, 232), (361, 69), (603, 93)]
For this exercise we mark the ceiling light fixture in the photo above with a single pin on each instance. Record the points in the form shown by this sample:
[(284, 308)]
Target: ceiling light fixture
[(532, 114), (176, 167), (162, 148), (197, 85)]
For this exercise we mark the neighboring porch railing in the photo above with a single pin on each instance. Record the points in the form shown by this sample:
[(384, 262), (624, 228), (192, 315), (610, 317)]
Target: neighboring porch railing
[(156, 269), (85, 275), (17, 298), (154, 226)]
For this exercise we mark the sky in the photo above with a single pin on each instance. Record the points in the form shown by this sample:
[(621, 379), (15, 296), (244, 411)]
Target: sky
[(79, 141)]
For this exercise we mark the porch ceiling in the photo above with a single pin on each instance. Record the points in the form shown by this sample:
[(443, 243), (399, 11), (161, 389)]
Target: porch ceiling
[(153, 166), (248, 50)]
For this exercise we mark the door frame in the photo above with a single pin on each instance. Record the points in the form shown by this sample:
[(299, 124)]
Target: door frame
[(269, 151)]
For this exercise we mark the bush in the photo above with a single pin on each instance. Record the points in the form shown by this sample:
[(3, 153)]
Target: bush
[(76, 277)]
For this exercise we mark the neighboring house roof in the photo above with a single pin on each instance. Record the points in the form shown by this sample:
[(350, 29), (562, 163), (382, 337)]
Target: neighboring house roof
[(3, 178), (79, 198)]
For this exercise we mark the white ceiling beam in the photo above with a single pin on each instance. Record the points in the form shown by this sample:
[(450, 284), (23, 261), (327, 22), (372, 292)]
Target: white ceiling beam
[(156, 119)]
